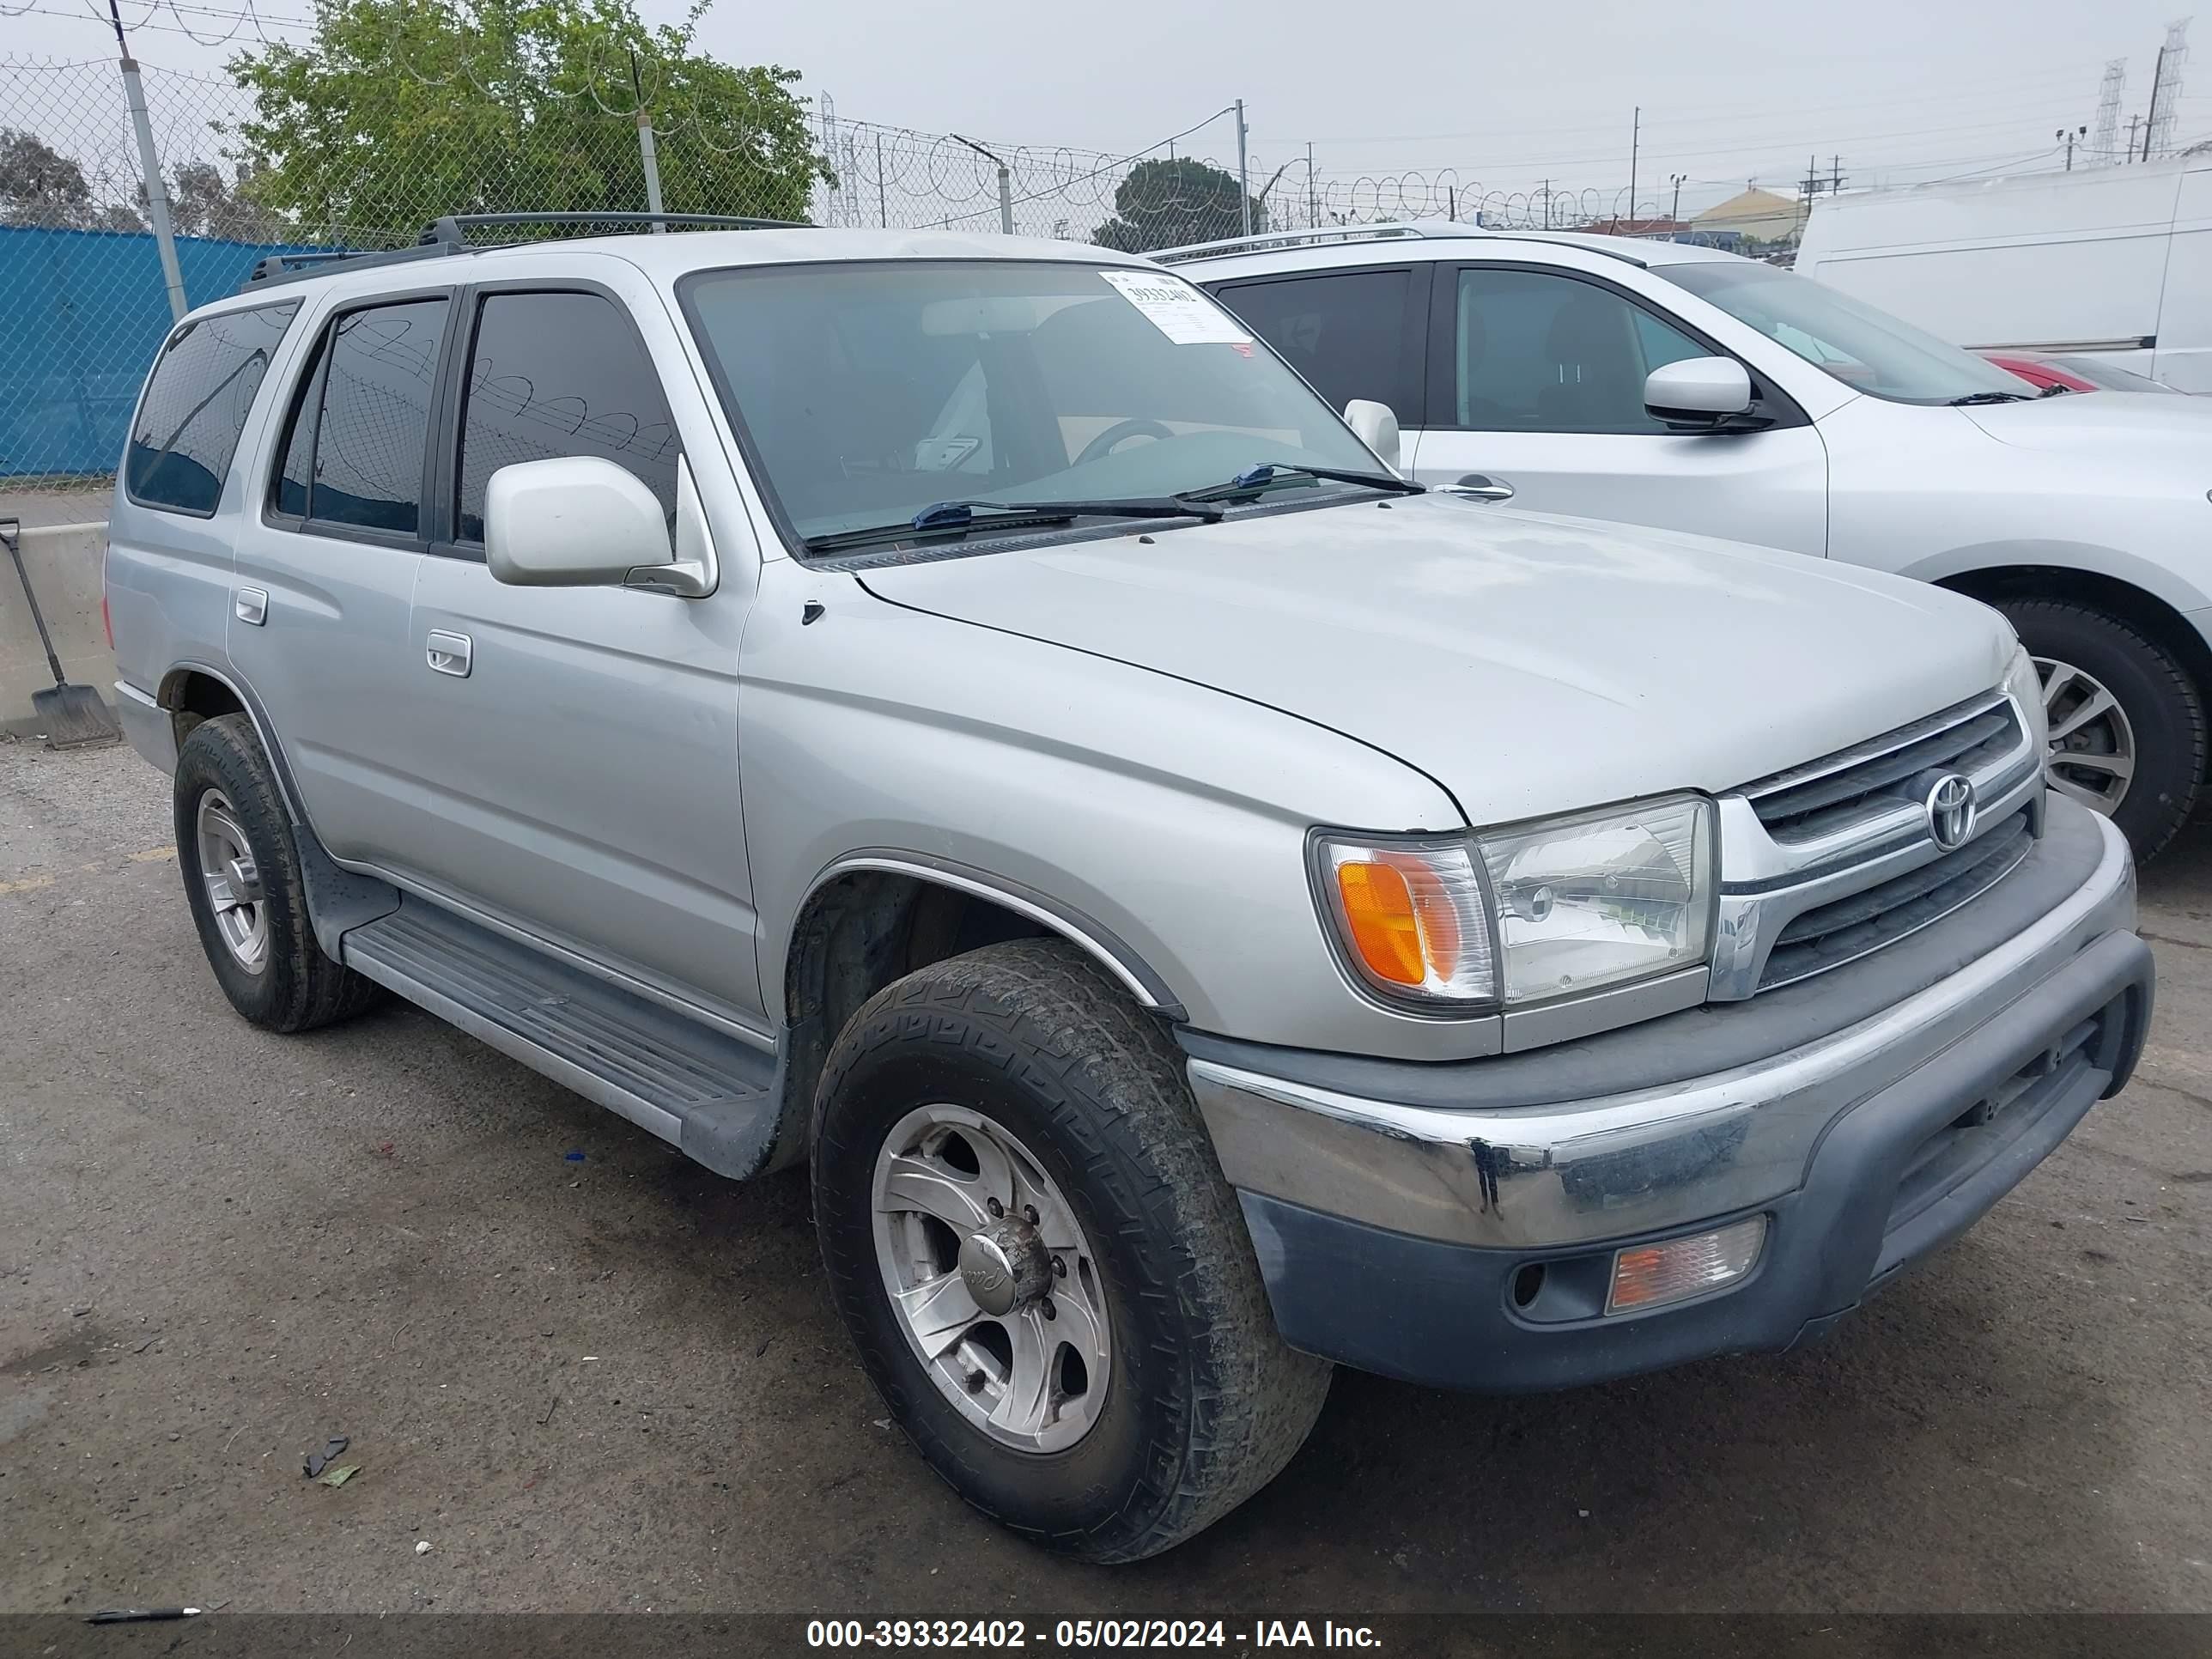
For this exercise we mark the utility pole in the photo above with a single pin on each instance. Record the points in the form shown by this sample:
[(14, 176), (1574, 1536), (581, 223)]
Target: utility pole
[(2070, 138), (1835, 174), (2150, 120), (157, 190), (1244, 173), (883, 206), (1005, 184), (1267, 189), (2134, 121), (1547, 204), (1635, 143), (1313, 193), (1674, 215), (647, 154)]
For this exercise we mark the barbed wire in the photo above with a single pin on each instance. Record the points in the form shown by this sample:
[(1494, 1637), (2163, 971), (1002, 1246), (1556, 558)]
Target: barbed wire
[(69, 162)]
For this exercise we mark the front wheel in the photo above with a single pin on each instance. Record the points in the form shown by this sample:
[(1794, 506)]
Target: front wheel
[(2127, 723), (1049, 1280)]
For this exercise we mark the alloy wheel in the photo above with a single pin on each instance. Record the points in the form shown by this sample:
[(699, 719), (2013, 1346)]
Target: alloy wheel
[(2092, 746), (232, 879), (992, 1278)]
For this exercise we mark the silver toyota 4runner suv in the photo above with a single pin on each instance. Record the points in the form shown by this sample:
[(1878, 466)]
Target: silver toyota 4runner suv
[(959, 711)]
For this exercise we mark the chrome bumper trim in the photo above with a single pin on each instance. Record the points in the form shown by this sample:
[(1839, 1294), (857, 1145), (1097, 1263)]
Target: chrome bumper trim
[(1541, 1176)]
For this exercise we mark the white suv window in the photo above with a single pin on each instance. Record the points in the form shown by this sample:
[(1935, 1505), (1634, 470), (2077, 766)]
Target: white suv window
[(1535, 352), (1342, 330)]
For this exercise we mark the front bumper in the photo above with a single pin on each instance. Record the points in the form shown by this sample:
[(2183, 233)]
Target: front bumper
[(1399, 1237)]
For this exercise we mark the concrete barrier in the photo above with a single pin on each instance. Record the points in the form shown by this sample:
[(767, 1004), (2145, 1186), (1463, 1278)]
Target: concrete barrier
[(64, 560)]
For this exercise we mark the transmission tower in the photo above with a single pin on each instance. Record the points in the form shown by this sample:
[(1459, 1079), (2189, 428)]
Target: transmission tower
[(2166, 89), (2104, 146)]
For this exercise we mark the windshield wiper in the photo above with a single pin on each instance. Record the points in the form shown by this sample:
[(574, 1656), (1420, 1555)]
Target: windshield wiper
[(2054, 390), (1254, 479), (1989, 397), (957, 518)]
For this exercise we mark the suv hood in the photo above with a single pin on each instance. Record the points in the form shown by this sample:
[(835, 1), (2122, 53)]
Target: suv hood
[(2120, 423), (1528, 664)]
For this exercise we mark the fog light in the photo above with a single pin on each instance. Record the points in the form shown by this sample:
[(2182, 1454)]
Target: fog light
[(1652, 1274)]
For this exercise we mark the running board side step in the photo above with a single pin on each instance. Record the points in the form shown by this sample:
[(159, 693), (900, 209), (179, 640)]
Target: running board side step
[(712, 1095)]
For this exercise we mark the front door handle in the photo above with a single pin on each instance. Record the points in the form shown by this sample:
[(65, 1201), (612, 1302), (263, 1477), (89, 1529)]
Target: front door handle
[(449, 654), (1481, 487), (250, 605)]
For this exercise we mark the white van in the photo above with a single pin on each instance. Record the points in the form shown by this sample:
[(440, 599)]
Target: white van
[(2112, 260)]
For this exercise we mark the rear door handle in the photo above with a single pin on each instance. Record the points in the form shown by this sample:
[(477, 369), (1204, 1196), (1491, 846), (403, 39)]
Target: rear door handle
[(1481, 487), (251, 605), (449, 654)]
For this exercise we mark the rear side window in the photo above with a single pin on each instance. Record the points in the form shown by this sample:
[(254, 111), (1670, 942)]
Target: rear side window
[(1342, 331), (558, 374), (1537, 352), (195, 407), (359, 429)]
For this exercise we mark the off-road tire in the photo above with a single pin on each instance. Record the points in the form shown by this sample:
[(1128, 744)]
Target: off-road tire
[(1205, 1403), (2154, 690), (298, 987)]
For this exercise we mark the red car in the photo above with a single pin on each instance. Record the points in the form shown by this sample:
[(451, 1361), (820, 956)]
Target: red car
[(2073, 373)]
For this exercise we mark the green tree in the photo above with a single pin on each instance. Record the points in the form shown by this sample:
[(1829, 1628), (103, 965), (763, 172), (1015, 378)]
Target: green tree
[(39, 185), (1167, 204), (398, 110), (203, 203)]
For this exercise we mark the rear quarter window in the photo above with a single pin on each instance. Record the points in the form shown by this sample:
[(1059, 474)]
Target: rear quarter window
[(189, 422)]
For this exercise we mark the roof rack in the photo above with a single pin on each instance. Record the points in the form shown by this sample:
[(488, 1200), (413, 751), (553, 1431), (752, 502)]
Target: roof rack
[(1588, 241), (1254, 244), (447, 235), (452, 226), (276, 268)]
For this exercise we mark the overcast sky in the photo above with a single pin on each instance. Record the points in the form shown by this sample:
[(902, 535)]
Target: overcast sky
[(1506, 95)]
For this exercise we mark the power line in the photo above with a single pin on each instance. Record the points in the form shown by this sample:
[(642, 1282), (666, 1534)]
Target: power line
[(1950, 99)]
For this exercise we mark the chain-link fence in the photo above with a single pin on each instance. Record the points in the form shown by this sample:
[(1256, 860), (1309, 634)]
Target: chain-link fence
[(361, 143)]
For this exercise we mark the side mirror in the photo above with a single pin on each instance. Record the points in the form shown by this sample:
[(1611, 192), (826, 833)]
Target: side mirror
[(1376, 426), (574, 521), (1697, 391)]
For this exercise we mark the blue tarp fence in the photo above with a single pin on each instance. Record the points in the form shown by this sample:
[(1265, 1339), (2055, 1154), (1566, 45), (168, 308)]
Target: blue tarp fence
[(81, 313)]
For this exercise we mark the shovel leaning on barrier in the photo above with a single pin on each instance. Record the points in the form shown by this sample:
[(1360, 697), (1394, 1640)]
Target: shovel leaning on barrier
[(74, 716)]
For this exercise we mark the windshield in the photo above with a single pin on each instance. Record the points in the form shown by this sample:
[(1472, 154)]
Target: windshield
[(2111, 376), (1867, 350), (871, 391)]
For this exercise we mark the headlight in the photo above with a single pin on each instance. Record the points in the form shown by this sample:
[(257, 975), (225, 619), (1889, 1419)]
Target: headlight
[(1534, 912), (2027, 688)]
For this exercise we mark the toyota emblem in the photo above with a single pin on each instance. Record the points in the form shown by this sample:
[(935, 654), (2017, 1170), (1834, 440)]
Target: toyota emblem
[(1951, 810)]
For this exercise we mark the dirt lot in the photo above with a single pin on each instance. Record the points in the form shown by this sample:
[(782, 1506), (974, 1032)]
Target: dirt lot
[(591, 1376)]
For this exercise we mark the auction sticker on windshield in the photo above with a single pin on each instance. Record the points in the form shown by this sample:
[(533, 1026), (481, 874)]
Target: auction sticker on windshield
[(1176, 309)]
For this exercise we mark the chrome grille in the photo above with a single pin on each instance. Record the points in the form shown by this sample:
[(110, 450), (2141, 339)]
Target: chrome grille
[(1829, 935), (1827, 861), (1807, 802)]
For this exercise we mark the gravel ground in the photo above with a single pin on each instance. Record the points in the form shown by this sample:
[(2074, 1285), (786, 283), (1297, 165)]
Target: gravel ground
[(615, 1383)]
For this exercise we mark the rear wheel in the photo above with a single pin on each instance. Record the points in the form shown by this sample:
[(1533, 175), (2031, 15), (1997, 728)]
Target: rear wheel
[(1050, 1281), (2127, 722), (242, 870)]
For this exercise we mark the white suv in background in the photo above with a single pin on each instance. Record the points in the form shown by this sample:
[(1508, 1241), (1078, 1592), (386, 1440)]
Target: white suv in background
[(1686, 388)]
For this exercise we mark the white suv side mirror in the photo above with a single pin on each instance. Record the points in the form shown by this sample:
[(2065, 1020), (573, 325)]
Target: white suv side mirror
[(1376, 426), (572, 521), (1698, 390)]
